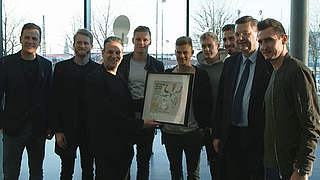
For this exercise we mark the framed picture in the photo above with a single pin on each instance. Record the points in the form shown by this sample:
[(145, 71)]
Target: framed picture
[(167, 97)]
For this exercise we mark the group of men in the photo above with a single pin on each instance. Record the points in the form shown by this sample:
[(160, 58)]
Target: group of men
[(256, 111), (266, 119)]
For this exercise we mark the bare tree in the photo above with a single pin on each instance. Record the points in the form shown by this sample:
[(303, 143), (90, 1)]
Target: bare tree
[(11, 31), (77, 23), (101, 24), (212, 16)]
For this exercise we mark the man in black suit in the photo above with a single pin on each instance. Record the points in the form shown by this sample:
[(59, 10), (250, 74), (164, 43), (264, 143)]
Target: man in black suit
[(111, 124), (70, 112), (239, 122), (25, 83)]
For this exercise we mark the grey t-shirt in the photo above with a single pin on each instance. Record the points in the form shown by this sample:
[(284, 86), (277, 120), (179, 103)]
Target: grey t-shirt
[(269, 139), (137, 78)]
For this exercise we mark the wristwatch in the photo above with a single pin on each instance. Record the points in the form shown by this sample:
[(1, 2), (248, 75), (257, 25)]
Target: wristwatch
[(300, 171)]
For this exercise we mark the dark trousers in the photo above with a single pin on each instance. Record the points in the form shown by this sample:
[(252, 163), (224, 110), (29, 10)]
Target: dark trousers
[(274, 174), (239, 157), (12, 154), (191, 144), (212, 155), (68, 157), (114, 166), (212, 160), (144, 145)]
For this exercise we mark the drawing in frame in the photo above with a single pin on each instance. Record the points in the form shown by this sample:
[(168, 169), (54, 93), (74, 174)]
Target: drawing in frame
[(167, 97)]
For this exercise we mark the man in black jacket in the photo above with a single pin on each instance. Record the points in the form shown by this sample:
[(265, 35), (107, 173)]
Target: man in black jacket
[(291, 109), (70, 112), (112, 126), (189, 139), (25, 82), (239, 122), (133, 69)]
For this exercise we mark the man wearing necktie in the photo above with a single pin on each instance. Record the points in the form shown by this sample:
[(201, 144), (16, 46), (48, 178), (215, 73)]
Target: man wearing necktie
[(239, 122)]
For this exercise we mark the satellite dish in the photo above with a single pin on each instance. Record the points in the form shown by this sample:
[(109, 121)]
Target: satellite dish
[(121, 27)]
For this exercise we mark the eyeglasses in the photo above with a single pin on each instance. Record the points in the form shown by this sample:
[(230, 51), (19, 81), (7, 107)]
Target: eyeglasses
[(243, 34)]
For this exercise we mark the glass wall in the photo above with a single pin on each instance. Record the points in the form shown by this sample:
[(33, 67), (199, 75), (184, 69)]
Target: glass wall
[(166, 20), (58, 20), (212, 15)]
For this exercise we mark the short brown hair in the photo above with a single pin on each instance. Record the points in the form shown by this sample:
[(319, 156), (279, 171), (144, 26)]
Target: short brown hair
[(269, 22), (111, 39), (84, 32), (31, 26), (209, 35), (184, 40), (228, 27), (142, 29), (246, 19)]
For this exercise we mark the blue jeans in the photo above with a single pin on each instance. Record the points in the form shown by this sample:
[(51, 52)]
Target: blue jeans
[(12, 154), (274, 174)]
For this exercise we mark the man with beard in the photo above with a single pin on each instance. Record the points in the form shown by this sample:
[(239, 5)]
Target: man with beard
[(112, 126), (239, 122), (292, 109), (229, 42), (70, 113), (133, 69)]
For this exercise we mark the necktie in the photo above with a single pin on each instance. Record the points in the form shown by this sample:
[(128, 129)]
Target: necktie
[(238, 98)]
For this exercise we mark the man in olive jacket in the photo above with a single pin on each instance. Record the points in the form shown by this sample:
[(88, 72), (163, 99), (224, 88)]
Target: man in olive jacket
[(291, 109)]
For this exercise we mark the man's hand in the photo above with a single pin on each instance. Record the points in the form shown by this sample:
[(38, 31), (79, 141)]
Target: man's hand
[(61, 140), (296, 176), (216, 143), (150, 123)]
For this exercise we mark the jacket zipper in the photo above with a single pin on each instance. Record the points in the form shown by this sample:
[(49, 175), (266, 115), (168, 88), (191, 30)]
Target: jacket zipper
[(275, 137), (277, 158)]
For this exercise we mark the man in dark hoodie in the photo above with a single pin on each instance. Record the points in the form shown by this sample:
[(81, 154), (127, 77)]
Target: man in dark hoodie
[(210, 61)]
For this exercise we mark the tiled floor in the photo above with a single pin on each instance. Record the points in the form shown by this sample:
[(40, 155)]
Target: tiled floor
[(159, 165)]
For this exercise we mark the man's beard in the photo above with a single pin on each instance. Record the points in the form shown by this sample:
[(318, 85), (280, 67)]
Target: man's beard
[(110, 67), (82, 55)]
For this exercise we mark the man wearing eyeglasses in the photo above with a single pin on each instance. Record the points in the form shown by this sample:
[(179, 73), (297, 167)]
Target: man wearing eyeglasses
[(239, 122)]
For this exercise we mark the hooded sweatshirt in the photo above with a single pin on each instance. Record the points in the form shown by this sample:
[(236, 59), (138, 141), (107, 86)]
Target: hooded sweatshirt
[(214, 72)]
